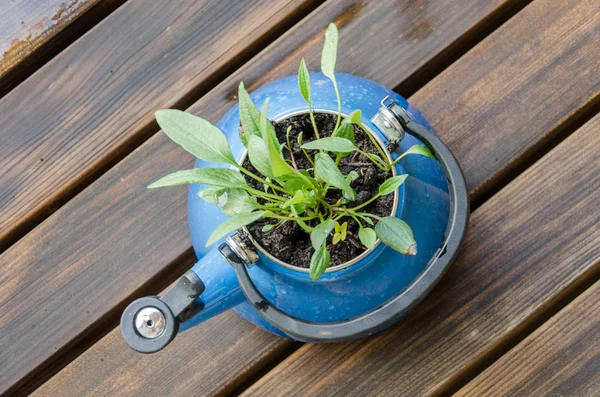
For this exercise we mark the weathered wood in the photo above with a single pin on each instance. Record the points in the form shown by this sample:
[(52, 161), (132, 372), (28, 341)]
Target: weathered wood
[(32, 31), (117, 236), (167, 207), (561, 358), (95, 101), (536, 72), (525, 247)]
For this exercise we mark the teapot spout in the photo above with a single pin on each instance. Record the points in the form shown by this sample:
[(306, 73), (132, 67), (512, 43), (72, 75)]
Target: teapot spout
[(222, 290)]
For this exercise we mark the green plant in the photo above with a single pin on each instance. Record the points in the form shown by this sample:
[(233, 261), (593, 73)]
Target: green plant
[(289, 194)]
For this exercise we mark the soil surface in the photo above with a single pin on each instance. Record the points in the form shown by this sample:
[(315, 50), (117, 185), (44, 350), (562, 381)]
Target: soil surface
[(288, 242)]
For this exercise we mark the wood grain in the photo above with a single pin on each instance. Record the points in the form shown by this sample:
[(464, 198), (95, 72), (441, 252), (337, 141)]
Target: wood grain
[(540, 70), (95, 101), (156, 221), (117, 236), (525, 247), (32, 31), (561, 358)]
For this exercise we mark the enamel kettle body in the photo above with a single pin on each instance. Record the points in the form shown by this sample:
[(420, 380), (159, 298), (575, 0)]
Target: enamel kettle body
[(348, 301)]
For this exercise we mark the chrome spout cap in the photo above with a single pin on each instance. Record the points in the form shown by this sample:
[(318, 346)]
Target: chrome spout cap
[(150, 323)]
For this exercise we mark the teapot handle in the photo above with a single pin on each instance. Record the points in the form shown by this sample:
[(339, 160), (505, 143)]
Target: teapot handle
[(397, 306)]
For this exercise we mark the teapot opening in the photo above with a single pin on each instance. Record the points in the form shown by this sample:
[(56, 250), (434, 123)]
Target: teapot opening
[(288, 245)]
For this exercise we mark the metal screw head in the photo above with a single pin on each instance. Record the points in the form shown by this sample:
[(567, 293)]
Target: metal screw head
[(150, 322)]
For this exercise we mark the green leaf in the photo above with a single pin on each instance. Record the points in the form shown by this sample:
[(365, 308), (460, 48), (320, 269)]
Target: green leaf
[(196, 135), (278, 164), (319, 234), (340, 232), (298, 198), (259, 156), (267, 129), (319, 262), (367, 237), (391, 184), (220, 177), (234, 223), (294, 183), (419, 149), (332, 144), (211, 193), (329, 54), (249, 113), (346, 131), (351, 176), (304, 81), (269, 227), (236, 201), (396, 234), (353, 117), (326, 170)]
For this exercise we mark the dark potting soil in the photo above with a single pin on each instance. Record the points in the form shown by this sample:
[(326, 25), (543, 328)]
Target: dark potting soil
[(289, 242)]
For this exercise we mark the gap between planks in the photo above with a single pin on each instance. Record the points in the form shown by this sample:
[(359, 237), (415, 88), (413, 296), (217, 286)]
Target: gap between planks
[(55, 41), (549, 309), (32, 219), (409, 85)]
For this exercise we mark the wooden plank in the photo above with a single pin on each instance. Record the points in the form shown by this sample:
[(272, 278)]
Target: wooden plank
[(561, 358), (164, 232), (116, 236), (32, 31), (525, 247), (95, 101)]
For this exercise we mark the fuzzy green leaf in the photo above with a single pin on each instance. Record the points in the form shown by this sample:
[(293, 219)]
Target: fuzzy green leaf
[(304, 81), (196, 135), (326, 170), (319, 262), (367, 237), (319, 234), (332, 144), (249, 113), (352, 176), (234, 223), (220, 177), (259, 156), (279, 166), (211, 193), (329, 54), (396, 234), (298, 198), (353, 117), (236, 201), (391, 184), (346, 131), (419, 149), (269, 227)]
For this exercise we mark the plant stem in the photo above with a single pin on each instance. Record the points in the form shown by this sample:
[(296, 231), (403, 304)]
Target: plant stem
[(375, 143), (369, 201), (287, 137), (357, 221), (263, 194), (312, 120), (339, 112), (304, 151), (382, 166), (290, 218), (261, 180)]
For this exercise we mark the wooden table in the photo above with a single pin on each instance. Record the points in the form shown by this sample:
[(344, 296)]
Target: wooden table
[(512, 86)]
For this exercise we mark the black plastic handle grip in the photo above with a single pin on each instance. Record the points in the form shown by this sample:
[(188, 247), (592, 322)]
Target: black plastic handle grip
[(397, 306)]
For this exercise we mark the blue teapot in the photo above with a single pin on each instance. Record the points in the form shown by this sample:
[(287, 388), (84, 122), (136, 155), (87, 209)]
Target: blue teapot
[(349, 301)]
